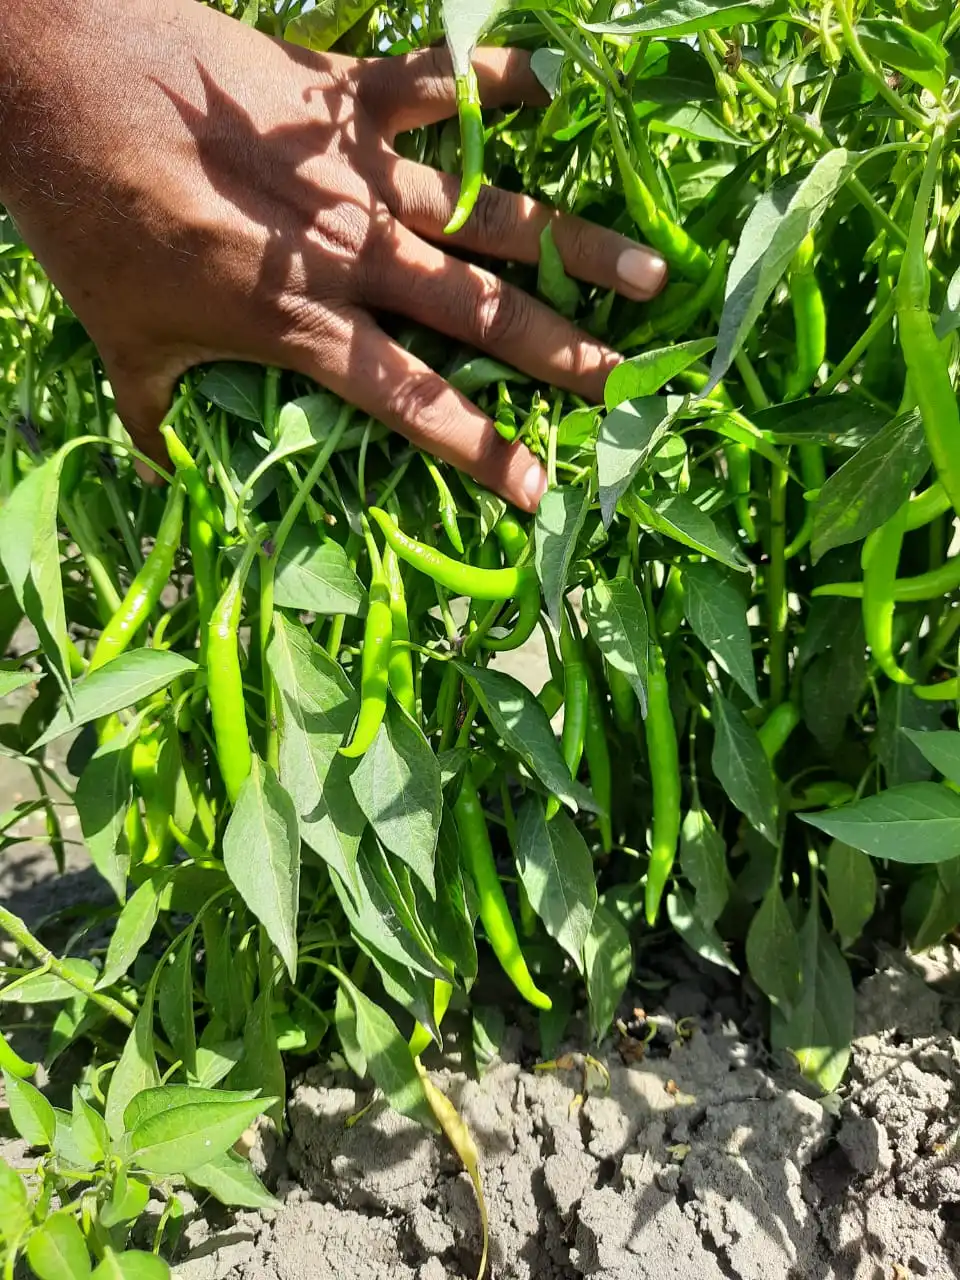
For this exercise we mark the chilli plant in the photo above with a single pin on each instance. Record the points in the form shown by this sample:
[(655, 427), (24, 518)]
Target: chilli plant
[(323, 808)]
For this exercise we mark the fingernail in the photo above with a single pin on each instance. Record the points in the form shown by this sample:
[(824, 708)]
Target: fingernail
[(641, 272), (534, 485)]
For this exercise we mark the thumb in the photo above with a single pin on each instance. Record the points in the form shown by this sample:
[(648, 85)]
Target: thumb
[(142, 399)]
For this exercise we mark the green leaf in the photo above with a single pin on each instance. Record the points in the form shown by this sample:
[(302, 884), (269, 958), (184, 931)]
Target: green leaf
[(559, 519), (454, 920), (851, 889), (941, 747), (717, 615), (949, 318), (133, 929), (175, 1003), (842, 420), (345, 1021), (742, 768), (14, 1211), (690, 120), (553, 283), (397, 786), (465, 22), (185, 1137), (261, 854), (865, 492), (677, 516), (11, 681), (607, 966), (30, 553), (57, 1251), (315, 575), (773, 950), (699, 936), (819, 1028), (643, 375), (261, 1066), (137, 1068), (556, 870), (103, 796), (132, 1264), (120, 683), (128, 1199), (628, 436), (902, 713), (230, 1178), (90, 1133), (522, 723), (703, 860), (617, 620), (319, 706), (47, 988), (388, 1056), (916, 823), (322, 26), (306, 423), (168, 1097), (30, 1113), (236, 387), (777, 224), (893, 42), (684, 17)]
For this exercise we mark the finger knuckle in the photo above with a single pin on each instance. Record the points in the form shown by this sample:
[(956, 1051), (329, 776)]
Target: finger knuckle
[(502, 314), (419, 401), (494, 218)]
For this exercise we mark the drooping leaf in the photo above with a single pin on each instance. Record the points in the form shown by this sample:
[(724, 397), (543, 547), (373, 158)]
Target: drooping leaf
[(717, 615), (137, 1068), (677, 516), (941, 747), (133, 929), (30, 1113), (915, 823), (118, 684), (684, 17), (703, 860), (628, 436), (559, 519), (230, 1178), (57, 1250), (397, 786), (773, 950), (261, 853), (607, 965), (617, 620), (103, 796), (182, 1138), (556, 870), (522, 723), (742, 768), (868, 488), (699, 936), (851, 889)]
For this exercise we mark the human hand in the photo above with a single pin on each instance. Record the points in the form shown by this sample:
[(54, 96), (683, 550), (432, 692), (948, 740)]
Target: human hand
[(206, 193)]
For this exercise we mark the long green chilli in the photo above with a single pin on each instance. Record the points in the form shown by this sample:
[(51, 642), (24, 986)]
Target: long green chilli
[(923, 586), (145, 590), (193, 480), (576, 698), (374, 659), (927, 366), (665, 775), (597, 752), (879, 557), (471, 148), (400, 668), (810, 331), (478, 858), (225, 680), (677, 247)]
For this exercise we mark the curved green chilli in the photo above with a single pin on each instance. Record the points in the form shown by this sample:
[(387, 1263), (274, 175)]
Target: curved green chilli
[(196, 486), (777, 728), (810, 330), (665, 775), (145, 590), (400, 668), (472, 141), (576, 699), (374, 659), (494, 912), (738, 472), (225, 681), (879, 557), (677, 247), (927, 366)]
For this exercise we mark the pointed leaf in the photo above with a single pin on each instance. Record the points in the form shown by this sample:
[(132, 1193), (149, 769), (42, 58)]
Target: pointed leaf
[(559, 520), (30, 1113), (915, 823), (699, 936), (137, 1068), (703, 860), (851, 888), (684, 17), (677, 516), (941, 747), (230, 1178), (103, 796), (132, 1264), (261, 854), (607, 965), (556, 871), (57, 1251), (773, 950), (717, 615), (133, 929), (742, 768), (617, 620), (185, 1137), (645, 374), (628, 436)]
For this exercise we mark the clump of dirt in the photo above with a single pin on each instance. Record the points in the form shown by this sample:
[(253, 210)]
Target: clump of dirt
[(703, 1159)]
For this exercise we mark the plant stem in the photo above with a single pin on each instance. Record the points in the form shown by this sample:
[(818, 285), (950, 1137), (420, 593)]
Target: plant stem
[(15, 928), (81, 531), (874, 74), (777, 586), (866, 339)]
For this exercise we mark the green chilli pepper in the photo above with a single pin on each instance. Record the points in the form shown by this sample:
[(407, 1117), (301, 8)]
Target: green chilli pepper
[(622, 699), (665, 775), (194, 482), (923, 586), (810, 332), (879, 557), (576, 699), (400, 668), (203, 553), (505, 417), (777, 728), (597, 751), (374, 659), (672, 607), (225, 681), (145, 590), (927, 366), (512, 537), (677, 247), (472, 141), (447, 506), (461, 579), (738, 472), (494, 912)]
